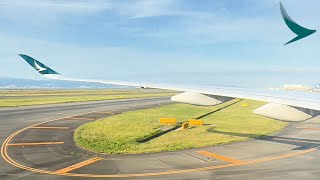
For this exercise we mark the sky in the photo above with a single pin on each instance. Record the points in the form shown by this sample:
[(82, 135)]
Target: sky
[(225, 42)]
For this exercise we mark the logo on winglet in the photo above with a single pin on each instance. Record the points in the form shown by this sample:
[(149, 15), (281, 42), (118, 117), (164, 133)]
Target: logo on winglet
[(39, 68), (300, 31)]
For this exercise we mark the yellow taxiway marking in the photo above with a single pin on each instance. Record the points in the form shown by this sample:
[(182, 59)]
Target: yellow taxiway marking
[(35, 144), (266, 159), (79, 165), (293, 140), (75, 118), (220, 157), (44, 127), (111, 113), (308, 128)]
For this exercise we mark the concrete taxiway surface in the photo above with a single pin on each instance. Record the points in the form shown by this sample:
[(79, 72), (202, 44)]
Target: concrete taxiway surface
[(37, 143)]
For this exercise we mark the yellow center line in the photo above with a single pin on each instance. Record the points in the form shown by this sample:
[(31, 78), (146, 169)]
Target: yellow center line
[(220, 157), (35, 144), (265, 159), (79, 165), (75, 118), (44, 127), (111, 113), (308, 128), (293, 140)]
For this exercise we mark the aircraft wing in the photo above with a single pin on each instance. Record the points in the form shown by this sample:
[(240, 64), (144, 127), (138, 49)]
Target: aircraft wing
[(297, 99)]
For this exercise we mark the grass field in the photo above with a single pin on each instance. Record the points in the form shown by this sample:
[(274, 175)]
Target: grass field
[(119, 134), (14, 98)]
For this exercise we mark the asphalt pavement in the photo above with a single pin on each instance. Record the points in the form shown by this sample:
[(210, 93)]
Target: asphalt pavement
[(37, 143)]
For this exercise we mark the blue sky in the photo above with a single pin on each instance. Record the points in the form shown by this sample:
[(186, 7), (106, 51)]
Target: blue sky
[(225, 42)]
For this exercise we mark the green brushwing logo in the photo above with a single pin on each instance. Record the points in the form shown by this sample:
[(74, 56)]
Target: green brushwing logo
[(37, 65), (300, 31)]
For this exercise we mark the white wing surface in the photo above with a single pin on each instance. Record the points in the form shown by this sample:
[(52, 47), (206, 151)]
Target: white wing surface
[(307, 100)]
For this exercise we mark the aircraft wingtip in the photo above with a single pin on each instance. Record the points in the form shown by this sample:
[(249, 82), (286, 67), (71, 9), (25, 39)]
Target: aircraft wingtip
[(23, 55), (38, 66)]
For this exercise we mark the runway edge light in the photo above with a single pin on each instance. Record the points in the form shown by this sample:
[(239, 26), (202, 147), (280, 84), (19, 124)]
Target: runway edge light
[(245, 105)]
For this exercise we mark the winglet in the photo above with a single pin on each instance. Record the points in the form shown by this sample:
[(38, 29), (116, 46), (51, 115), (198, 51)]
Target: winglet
[(300, 31), (38, 66)]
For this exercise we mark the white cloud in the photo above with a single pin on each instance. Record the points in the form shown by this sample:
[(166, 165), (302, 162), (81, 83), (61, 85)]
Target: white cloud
[(48, 13), (50, 6), (131, 9), (193, 27), (259, 21), (148, 8)]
